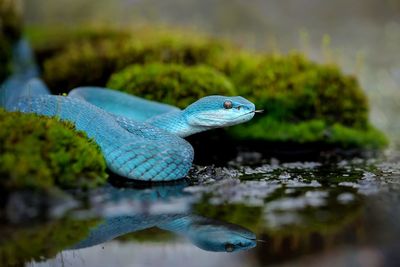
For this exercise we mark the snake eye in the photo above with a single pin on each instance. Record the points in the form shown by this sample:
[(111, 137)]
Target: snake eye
[(229, 247), (228, 104)]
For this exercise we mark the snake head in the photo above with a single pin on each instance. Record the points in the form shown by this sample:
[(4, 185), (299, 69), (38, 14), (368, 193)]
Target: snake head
[(219, 111), (222, 237)]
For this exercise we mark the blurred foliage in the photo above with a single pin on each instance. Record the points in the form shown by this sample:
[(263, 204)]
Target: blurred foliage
[(170, 83), (39, 153), (304, 102), (10, 30), (79, 60), (19, 245), (47, 43)]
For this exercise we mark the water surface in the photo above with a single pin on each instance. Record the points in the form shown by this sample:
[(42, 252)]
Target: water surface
[(301, 213)]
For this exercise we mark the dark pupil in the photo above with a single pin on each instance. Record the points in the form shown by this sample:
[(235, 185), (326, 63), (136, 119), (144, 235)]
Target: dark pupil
[(227, 104), (229, 247)]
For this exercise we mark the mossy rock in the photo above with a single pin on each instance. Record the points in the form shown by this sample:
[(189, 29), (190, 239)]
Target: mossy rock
[(10, 31), (40, 153), (20, 245), (174, 84), (303, 102), (91, 61), (293, 88)]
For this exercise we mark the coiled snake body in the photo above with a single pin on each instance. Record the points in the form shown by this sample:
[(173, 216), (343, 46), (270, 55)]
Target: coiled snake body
[(139, 139)]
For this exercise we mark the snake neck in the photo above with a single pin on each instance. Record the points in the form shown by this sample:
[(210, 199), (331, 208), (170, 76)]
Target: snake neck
[(176, 123)]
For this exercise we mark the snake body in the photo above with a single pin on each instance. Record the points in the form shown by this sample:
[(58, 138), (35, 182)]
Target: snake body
[(206, 233), (139, 139)]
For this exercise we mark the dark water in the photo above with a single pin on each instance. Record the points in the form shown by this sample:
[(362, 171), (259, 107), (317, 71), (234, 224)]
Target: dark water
[(303, 213)]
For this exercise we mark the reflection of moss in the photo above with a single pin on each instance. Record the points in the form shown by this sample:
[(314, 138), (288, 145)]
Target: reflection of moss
[(318, 229), (39, 152), (10, 28), (38, 242), (248, 217), (173, 84), (313, 229)]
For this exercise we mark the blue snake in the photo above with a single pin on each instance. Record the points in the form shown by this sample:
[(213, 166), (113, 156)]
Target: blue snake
[(140, 139)]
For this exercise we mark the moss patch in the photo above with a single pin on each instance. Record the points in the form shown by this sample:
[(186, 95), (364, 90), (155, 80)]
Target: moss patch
[(39, 153), (310, 131), (87, 60), (170, 83), (293, 88), (304, 102)]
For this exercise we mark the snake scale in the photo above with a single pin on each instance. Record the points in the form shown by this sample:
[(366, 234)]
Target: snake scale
[(140, 139)]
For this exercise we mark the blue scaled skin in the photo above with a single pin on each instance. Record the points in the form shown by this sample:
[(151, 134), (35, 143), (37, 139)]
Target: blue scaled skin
[(139, 139)]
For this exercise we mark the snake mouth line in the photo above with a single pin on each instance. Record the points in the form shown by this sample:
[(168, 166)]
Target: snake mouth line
[(254, 111)]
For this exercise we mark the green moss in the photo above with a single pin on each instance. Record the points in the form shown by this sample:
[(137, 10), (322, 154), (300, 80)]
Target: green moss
[(303, 101), (10, 30), (39, 153), (19, 245), (311, 131), (294, 89), (90, 61), (170, 83), (369, 137)]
